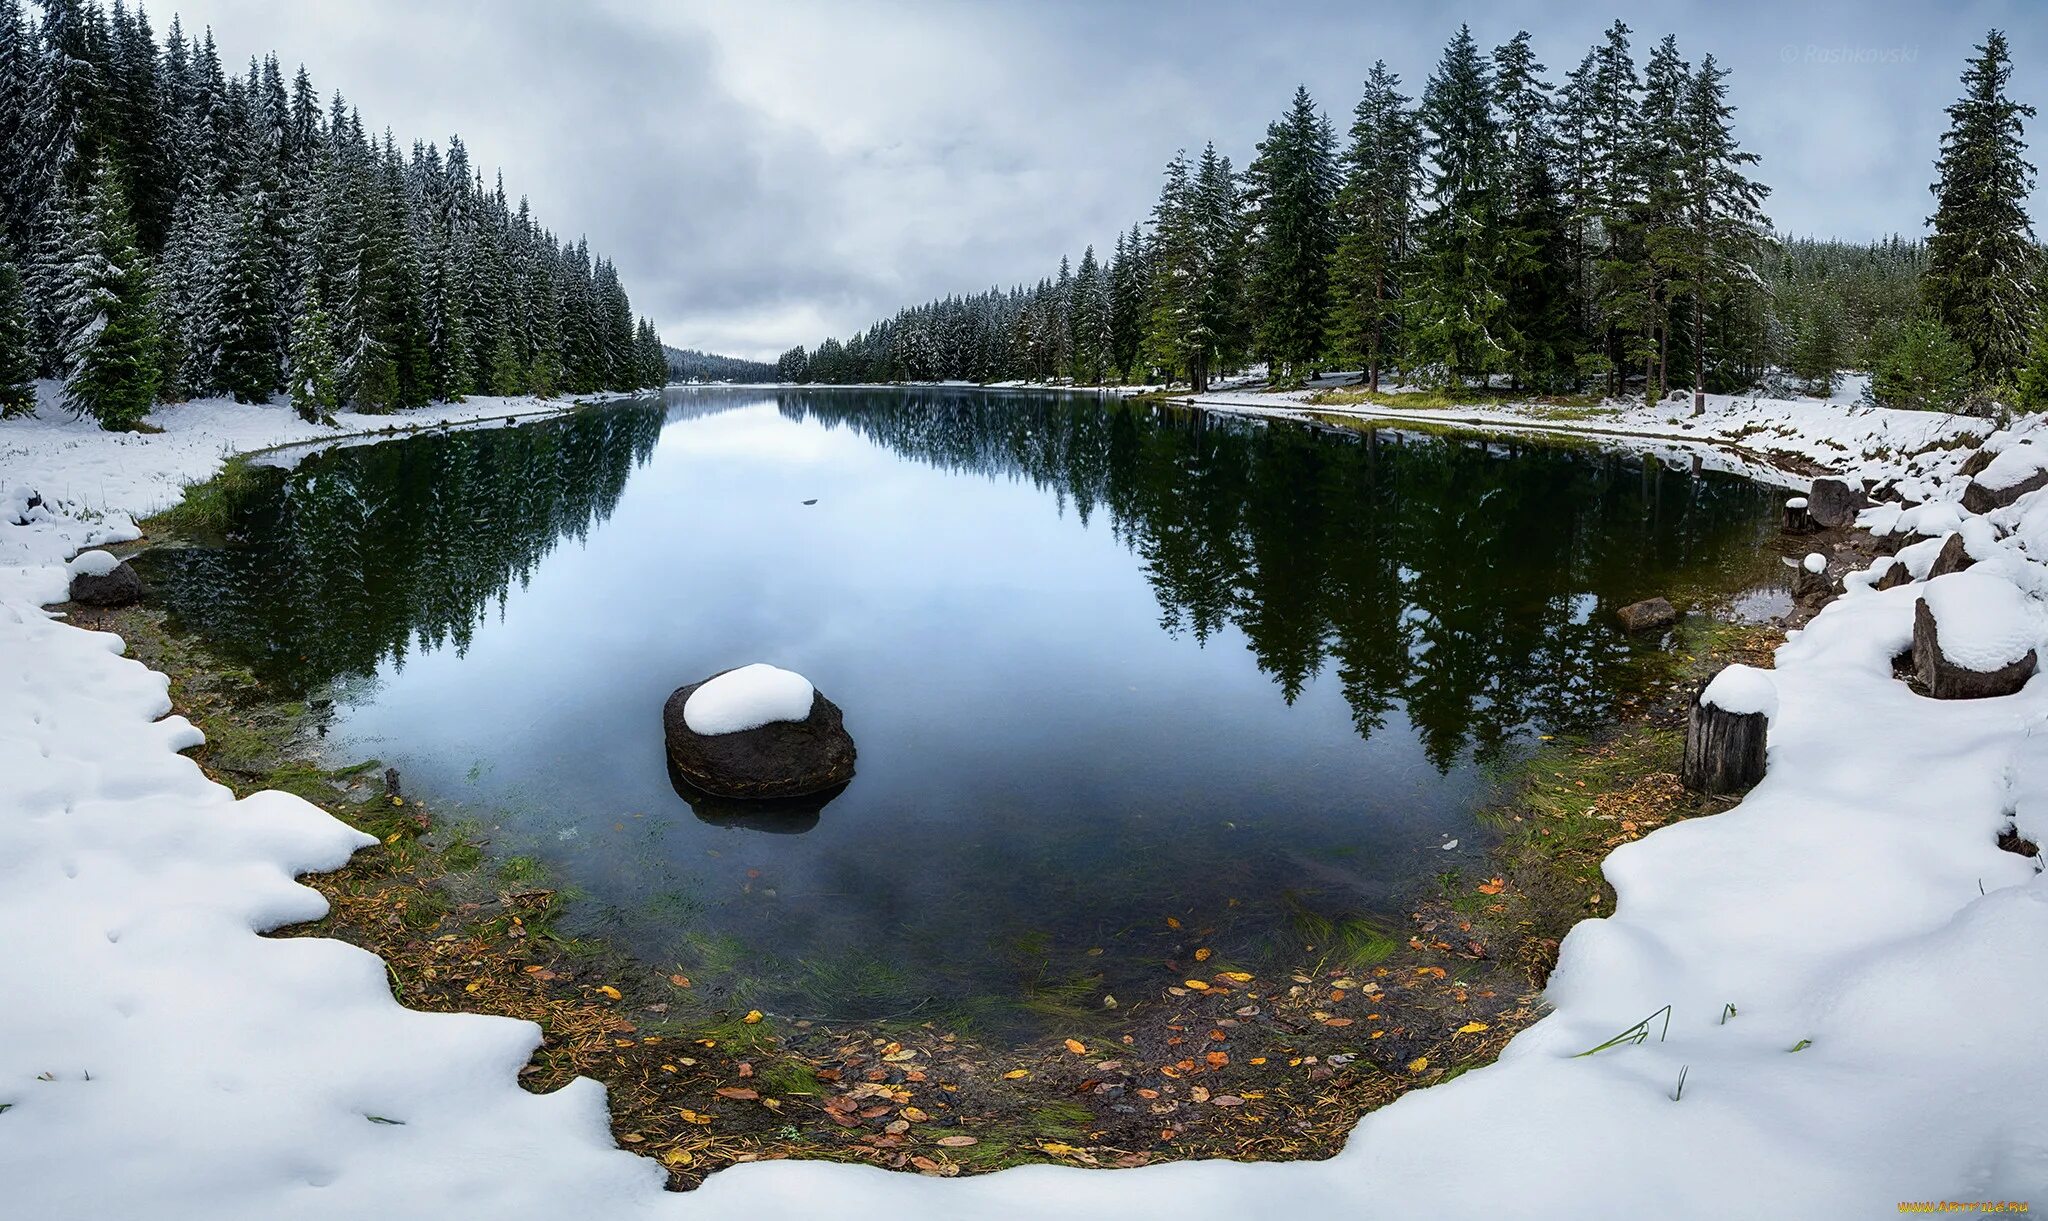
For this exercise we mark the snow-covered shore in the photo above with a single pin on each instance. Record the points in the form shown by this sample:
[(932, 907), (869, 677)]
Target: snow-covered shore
[(1886, 961)]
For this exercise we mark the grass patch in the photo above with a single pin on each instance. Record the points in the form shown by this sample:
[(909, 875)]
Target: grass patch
[(207, 507)]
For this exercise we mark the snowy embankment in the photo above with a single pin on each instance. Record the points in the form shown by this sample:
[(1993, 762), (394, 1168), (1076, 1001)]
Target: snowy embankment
[(1773, 440), (1886, 963)]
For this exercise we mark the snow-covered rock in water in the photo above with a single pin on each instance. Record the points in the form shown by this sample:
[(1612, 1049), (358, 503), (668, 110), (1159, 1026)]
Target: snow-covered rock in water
[(2017, 470), (1975, 635), (758, 733), (98, 578), (748, 698)]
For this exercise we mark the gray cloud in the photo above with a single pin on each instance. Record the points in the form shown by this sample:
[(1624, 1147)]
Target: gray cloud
[(767, 173)]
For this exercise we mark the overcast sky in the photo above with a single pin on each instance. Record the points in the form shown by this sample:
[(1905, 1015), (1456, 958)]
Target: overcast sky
[(767, 172)]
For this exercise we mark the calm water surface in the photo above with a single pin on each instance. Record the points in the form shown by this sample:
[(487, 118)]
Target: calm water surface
[(1105, 665)]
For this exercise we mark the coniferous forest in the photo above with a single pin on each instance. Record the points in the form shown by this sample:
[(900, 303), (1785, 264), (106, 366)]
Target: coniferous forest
[(172, 229), (1503, 226)]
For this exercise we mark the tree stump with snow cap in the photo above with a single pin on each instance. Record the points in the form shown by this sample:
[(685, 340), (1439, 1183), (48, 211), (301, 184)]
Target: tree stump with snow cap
[(1798, 520), (98, 579), (1726, 731), (759, 733), (1974, 637)]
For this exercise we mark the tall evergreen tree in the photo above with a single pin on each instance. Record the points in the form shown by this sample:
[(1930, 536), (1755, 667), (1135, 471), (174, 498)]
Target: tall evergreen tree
[(1538, 305), (1291, 185), (111, 348), (1373, 213), (17, 350), (1980, 274), (1722, 232), (1458, 312)]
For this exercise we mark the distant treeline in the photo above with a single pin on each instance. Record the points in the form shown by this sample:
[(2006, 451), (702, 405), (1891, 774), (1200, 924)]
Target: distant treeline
[(690, 365), (169, 229), (1598, 233)]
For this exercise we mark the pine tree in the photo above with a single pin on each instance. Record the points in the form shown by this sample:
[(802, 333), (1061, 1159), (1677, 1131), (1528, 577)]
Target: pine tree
[(2031, 386), (111, 348), (1373, 212), (1127, 289), (1713, 254), (1091, 314), (314, 395), (1458, 310), (1922, 369), (17, 354), (246, 324), (1291, 185), (1980, 275), (1537, 308), (1816, 349)]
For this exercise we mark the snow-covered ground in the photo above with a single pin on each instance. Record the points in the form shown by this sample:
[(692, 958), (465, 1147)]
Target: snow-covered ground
[(1886, 963), (1763, 438)]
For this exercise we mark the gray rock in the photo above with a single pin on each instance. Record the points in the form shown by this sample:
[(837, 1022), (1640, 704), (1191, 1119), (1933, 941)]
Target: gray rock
[(1833, 503), (1954, 557), (121, 587), (779, 760), (1980, 499), (1649, 615), (1945, 680)]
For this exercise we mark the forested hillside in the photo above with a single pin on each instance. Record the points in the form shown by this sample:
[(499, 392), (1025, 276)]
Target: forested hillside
[(170, 228), (690, 365), (1603, 231)]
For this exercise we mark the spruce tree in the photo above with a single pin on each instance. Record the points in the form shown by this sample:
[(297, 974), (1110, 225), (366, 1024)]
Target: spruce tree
[(1290, 187), (314, 395), (2030, 392), (1091, 315), (1538, 289), (17, 353), (1722, 232), (1980, 274), (1458, 309), (1373, 213), (111, 349)]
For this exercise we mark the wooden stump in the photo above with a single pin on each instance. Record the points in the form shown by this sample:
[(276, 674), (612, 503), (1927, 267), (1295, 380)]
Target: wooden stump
[(1798, 520), (1945, 680), (1724, 751)]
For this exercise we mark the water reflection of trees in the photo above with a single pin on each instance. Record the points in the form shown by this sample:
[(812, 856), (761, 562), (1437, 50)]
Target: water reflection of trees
[(371, 552), (1469, 582)]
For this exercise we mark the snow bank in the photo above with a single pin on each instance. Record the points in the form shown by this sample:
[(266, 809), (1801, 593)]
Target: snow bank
[(1985, 624), (1885, 960), (748, 698)]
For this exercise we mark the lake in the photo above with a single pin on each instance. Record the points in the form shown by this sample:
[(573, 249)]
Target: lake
[(1125, 679)]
